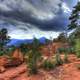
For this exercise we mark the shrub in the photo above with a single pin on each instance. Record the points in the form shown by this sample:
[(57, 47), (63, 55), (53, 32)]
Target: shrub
[(78, 54), (61, 50), (32, 67), (77, 47), (33, 59), (1, 53), (71, 50), (66, 57), (48, 65), (58, 60), (4, 39)]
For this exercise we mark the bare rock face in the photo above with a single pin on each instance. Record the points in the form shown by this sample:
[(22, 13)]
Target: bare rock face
[(13, 72), (17, 59), (13, 63), (18, 55), (2, 69), (3, 61)]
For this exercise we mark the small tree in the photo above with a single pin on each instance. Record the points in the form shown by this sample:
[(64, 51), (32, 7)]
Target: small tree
[(62, 37), (48, 65), (10, 50), (24, 49), (58, 60), (77, 47), (4, 39), (75, 24), (34, 57), (66, 57), (75, 17)]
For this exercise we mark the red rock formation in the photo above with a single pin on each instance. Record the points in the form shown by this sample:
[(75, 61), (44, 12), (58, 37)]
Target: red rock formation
[(17, 54), (3, 61)]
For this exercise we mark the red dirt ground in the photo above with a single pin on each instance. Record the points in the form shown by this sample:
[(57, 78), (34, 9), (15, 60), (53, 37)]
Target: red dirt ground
[(68, 71), (71, 71)]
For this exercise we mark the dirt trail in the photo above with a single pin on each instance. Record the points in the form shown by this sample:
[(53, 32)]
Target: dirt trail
[(71, 72), (10, 73), (67, 71)]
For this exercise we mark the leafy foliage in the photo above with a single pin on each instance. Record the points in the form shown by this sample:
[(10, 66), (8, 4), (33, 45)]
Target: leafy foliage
[(61, 50), (10, 50), (62, 37), (58, 60), (75, 17), (77, 47), (48, 65), (34, 57), (24, 49), (66, 57), (4, 39)]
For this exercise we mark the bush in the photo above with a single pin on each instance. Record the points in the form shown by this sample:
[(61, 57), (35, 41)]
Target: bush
[(78, 54), (58, 60), (33, 59), (65, 57), (32, 67), (77, 47), (71, 50), (61, 50), (48, 65), (1, 53)]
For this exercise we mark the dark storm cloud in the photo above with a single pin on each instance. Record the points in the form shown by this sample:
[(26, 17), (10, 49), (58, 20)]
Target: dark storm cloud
[(57, 23)]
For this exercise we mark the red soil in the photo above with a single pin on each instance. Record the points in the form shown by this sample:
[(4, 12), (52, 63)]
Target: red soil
[(71, 71), (68, 71)]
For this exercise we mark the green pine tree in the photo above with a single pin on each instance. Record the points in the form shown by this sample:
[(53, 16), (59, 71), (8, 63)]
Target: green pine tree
[(75, 17), (34, 57), (4, 39), (58, 60)]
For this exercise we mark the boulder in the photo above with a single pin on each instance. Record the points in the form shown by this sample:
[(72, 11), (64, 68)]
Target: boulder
[(3, 62), (18, 55)]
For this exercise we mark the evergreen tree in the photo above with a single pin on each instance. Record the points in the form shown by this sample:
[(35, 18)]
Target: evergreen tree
[(58, 60), (4, 39), (62, 38), (75, 24), (34, 57), (75, 17), (24, 49)]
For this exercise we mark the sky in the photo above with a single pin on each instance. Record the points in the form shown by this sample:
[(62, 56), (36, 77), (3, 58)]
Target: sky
[(26, 19)]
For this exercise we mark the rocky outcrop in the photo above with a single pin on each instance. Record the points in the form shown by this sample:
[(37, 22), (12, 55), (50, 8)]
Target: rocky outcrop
[(9, 74)]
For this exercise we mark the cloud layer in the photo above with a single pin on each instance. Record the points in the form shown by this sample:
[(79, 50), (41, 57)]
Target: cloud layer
[(33, 17)]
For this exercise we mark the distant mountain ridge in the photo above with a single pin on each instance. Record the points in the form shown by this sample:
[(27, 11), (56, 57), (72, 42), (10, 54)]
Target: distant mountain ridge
[(17, 42)]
